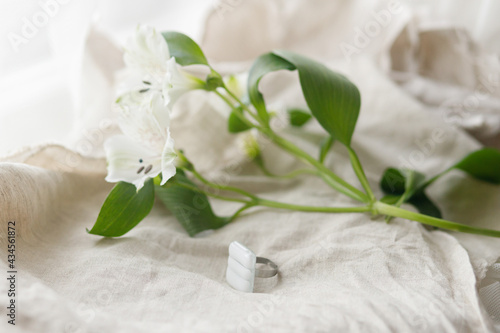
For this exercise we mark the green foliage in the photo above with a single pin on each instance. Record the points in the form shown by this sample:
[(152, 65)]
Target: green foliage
[(264, 64), (424, 205), (123, 209), (234, 122), (407, 186), (191, 207), (393, 182), (184, 49), (298, 117), (483, 164), (332, 98), (324, 148)]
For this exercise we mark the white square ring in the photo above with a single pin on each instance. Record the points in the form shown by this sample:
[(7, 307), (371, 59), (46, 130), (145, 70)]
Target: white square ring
[(241, 270)]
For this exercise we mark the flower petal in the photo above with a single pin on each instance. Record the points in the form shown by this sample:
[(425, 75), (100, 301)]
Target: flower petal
[(167, 160), (133, 80), (130, 162), (148, 51), (145, 118), (177, 82)]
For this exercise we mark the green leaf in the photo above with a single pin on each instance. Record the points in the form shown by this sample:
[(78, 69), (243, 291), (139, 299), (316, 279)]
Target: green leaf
[(191, 208), (402, 182), (332, 98), (298, 117), (483, 164), (424, 205), (123, 209), (393, 182), (264, 64), (407, 186), (235, 124), (184, 49), (324, 148)]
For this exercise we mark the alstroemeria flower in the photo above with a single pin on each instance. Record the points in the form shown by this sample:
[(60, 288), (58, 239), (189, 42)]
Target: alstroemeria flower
[(178, 82), (146, 149), (151, 68), (146, 55), (147, 51)]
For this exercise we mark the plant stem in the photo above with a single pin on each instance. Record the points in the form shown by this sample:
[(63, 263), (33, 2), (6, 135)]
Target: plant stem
[(260, 163), (291, 174), (436, 177), (236, 111), (243, 105), (358, 169), (275, 204), (216, 196), (376, 208), (241, 210), (386, 209), (256, 201), (331, 178), (221, 187)]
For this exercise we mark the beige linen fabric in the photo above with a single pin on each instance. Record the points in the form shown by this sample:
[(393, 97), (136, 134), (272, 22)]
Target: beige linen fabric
[(346, 272), (465, 91)]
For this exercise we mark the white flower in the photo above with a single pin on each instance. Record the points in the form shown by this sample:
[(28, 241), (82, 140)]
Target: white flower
[(129, 80), (147, 51), (177, 82), (146, 56), (146, 149), (151, 68)]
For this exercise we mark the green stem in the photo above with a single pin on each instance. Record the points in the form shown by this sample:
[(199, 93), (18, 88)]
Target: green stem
[(221, 187), (398, 203), (331, 178), (243, 105), (291, 174), (358, 169), (386, 209), (241, 210), (260, 163), (274, 204), (436, 177), (377, 208), (236, 111), (216, 196)]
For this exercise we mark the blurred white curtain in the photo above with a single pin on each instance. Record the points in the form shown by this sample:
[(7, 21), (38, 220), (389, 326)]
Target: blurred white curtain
[(40, 82), (41, 58)]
